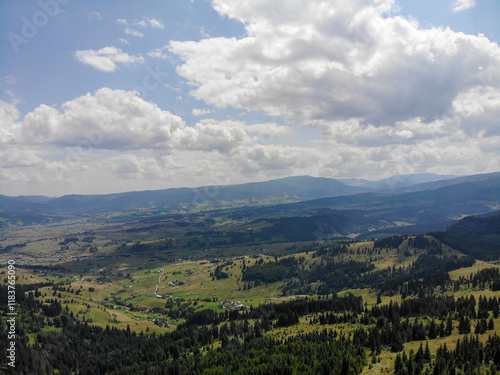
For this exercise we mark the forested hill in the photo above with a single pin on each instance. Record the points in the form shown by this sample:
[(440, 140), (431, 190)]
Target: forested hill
[(476, 236), (478, 225), (431, 210)]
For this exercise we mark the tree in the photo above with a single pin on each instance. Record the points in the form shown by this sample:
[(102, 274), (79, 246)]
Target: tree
[(432, 330), (464, 325)]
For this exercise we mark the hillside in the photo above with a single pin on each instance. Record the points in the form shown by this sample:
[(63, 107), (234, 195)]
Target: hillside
[(361, 213), (477, 236), (340, 307)]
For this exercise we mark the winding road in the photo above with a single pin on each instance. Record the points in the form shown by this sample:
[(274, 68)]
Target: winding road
[(159, 280)]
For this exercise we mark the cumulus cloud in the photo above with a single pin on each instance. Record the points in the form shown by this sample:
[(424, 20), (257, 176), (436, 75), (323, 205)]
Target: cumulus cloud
[(110, 119), (316, 62), (278, 158), (134, 32), (114, 135), (357, 93), (19, 158), (478, 109), (388, 96), (222, 137), (106, 59), (131, 166), (121, 120), (21, 168), (461, 5), (229, 136), (9, 114)]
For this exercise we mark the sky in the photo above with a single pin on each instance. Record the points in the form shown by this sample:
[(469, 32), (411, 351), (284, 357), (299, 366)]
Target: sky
[(109, 96)]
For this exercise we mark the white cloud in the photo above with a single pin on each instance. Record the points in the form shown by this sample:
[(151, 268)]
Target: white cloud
[(149, 22), (21, 168), (106, 58), (478, 110), (145, 22), (461, 5), (136, 150), (200, 112), (131, 166), (19, 158), (9, 114), (121, 120), (14, 175), (93, 15), (285, 160), (154, 23), (316, 62), (124, 142), (142, 23), (207, 136), (109, 119), (361, 94), (134, 32), (160, 53), (388, 96), (177, 89)]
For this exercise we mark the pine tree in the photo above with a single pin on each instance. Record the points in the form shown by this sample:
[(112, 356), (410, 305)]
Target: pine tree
[(427, 353), (398, 365), (432, 330), (464, 325), (491, 324)]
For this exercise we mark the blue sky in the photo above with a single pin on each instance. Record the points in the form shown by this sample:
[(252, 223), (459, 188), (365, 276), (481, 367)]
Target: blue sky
[(45, 67), (108, 96)]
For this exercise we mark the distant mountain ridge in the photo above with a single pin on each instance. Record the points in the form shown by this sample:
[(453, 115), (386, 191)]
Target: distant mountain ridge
[(32, 209), (391, 201), (432, 185), (290, 188), (398, 182), (375, 215)]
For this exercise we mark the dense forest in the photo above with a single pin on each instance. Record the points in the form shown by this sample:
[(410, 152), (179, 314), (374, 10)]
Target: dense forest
[(234, 342), (329, 275), (476, 236)]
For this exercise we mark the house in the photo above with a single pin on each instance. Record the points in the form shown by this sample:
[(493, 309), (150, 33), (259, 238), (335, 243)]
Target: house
[(231, 305)]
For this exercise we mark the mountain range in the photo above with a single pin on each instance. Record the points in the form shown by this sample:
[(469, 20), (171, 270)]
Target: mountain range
[(397, 182), (413, 199)]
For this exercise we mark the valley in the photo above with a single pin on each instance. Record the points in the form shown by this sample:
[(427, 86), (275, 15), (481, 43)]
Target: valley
[(380, 276)]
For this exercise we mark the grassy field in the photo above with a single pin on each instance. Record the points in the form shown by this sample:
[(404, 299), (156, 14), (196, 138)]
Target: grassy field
[(120, 283), (106, 284)]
